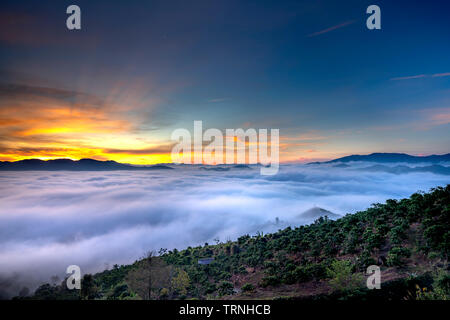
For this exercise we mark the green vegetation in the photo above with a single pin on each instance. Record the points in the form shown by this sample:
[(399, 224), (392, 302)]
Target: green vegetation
[(409, 239), (342, 277), (440, 288), (248, 287)]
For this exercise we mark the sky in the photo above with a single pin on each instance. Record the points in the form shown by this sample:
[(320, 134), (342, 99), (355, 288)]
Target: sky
[(137, 70)]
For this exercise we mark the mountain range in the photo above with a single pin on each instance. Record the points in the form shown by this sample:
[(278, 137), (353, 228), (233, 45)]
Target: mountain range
[(71, 165), (390, 158), (97, 165)]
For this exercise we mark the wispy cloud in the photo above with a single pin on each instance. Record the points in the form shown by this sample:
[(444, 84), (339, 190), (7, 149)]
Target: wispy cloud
[(310, 135), (435, 75), (217, 100), (446, 74), (435, 117), (409, 77), (331, 28)]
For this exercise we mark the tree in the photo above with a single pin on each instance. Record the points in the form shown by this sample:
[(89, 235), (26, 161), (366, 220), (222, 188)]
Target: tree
[(342, 277), (150, 276), (180, 282), (226, 288), (45, 292), (396, 256), (88, 288), (247, 287), (164, 293)]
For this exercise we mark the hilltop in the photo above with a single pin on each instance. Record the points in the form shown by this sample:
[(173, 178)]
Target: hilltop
[(316, 213)]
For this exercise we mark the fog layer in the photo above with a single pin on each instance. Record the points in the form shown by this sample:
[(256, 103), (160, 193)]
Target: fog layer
[(49, 220)]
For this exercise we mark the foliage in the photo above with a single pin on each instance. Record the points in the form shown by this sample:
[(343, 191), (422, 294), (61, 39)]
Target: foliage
[(342, 276), (396, 256), (440, 289), (247, 287), (226, 288), (149, 277), (89, 289), (181, 282)]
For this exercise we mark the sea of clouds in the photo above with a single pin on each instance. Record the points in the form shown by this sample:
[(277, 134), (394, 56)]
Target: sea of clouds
[(50, 220)]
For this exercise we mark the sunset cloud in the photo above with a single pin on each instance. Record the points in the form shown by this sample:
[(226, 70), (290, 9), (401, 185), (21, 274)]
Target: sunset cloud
[(49, 123), (438, 116), (160, 149), (40, 122)]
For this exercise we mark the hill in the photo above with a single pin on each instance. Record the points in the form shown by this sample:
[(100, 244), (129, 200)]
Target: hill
[(391, 158), (71, 165), (316, 213), (408, 239)]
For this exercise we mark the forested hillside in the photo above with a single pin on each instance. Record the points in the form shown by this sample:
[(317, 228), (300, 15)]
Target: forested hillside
[(409, 239)]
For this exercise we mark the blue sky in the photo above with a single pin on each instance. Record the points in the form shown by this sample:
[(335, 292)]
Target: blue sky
[(309, 68)]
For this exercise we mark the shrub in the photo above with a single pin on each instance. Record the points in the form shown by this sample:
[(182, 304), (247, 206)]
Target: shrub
[(396, 255), (365, 259), (164, 293), (210, 288), (226, 288), (270, 281), (248, 287), (398, 234), (440, 289), (341, 275)]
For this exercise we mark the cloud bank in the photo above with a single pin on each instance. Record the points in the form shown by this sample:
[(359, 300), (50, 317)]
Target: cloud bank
[(49, 220)]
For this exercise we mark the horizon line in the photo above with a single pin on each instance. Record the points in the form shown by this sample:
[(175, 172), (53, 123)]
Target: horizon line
[(281, 162)]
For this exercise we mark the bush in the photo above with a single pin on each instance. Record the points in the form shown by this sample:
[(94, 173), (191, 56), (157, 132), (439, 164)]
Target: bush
[(398, 234), (89, 289), (248, 287), (164, 293), (440, 288), (341, 275), (270, 281), (210, 288), (396, 256), (46, 292), (120, 291), (226, 288), (365, 259)]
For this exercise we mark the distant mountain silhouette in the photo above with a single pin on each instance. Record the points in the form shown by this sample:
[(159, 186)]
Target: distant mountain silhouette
[(316, 213), (241, 166), (224, 167), (214, 168), (71, 165), (391, 158)]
